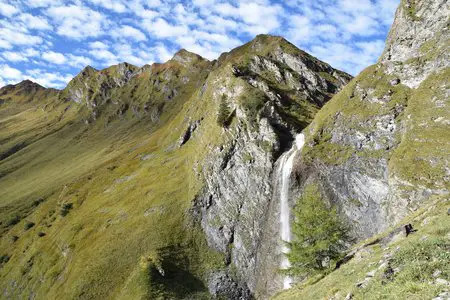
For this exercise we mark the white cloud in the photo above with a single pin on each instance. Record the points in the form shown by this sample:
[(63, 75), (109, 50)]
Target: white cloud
[(300, 30), (127, 31), (9, 37), (114, 5), (30, 52), (203, 2), (133, 55), (220, 24), (357, 7), (5, 44), (78, 22), (8, 72), (104, 55), (226, 9), (98, 45), (386, 10), (362, 25), (344, 56), (42, 3), (262, 15), (371, 49), (78, 61), (222, 40), (34, 22), (162, 29), (7, 10), (163, 53), (153, 3), (54, 57), (14, 56), (258, 17)]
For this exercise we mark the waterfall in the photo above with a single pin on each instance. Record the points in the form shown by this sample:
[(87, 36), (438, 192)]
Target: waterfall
[(284, 177)]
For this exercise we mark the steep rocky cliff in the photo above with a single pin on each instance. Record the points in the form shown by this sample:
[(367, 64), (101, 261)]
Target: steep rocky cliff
[(380, 147), (274, 90)]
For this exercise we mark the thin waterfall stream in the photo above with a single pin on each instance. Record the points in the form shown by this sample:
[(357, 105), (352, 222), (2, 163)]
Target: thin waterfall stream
[(284, 176)]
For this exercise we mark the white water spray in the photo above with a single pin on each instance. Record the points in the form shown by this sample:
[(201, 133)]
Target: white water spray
[(284, 177)]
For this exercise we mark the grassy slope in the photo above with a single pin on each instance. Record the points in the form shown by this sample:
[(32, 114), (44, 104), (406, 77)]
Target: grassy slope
[(105, 235), (423, 146), (417, 257), (356, 112)]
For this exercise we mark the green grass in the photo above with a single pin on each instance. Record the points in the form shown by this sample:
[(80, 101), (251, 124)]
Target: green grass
[(411, 9), (424, 147), (351, 108), (417, 256), (93, 249)]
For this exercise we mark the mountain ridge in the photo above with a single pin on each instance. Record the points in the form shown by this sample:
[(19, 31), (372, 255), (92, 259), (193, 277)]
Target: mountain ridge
[(183, 52)]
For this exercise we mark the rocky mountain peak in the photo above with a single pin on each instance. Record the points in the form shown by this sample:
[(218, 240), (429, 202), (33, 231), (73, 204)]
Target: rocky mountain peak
[(418, 25), (26, 85), (87, 71), (185, 57), (120, 70), (262, 40), (25, 91), (418, 41)]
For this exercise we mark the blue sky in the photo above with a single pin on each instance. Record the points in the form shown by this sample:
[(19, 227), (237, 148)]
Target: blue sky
[(50, 41)]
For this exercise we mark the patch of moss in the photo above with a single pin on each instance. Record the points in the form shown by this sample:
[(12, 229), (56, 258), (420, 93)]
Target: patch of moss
[(376, 154), (247, 157), (409, 7), (266, 146), (252, 101), (328, 77), (355, 202), (420, 157)]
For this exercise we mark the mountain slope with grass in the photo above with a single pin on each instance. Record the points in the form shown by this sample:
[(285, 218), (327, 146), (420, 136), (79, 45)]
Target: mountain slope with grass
[(391, 265), (378, 152), (105, 185)]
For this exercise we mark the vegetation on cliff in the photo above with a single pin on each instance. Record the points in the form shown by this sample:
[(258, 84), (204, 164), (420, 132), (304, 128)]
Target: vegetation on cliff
[(319, 235)]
